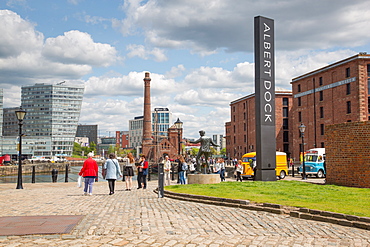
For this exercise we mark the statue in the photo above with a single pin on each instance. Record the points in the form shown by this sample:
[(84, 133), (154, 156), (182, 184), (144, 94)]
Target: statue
[(205, 149)]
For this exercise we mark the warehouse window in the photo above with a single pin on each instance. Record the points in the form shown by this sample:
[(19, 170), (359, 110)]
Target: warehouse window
[(348, 72), (348, 90), (285, 101), (321, 112), (348, 107), (322, 129)]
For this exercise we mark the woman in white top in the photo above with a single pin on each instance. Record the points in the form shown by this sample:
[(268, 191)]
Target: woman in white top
[(239, 170), (129, 171), (167, 170)]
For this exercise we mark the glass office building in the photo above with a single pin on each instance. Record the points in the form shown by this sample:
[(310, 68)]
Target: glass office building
[(161, 121), (53, 113)]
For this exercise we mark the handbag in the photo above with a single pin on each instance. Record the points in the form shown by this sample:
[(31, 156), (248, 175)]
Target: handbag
[(79, 181), (145, 171), (104, 173), (124, 171)]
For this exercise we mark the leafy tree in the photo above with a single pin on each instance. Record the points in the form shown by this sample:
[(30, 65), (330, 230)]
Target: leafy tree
[(93, 147), (194, 151), (223, 151), (77, 150), (111, 149)]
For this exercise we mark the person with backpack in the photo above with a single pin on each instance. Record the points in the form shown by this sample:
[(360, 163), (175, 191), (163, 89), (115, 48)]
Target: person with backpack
[(183, 168)]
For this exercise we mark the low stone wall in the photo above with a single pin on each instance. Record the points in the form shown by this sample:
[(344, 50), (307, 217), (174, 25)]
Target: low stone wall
[(302, 213), (27, 168)]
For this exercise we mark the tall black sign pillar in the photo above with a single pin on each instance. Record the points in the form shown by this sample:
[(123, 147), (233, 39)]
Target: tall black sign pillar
[(264, 57)]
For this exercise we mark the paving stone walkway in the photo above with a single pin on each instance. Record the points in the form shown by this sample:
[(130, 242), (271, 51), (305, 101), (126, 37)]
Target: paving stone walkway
[(140, 218)]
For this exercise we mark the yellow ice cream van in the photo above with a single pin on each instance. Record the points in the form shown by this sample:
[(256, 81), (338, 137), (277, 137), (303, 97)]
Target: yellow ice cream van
[(249, 163)]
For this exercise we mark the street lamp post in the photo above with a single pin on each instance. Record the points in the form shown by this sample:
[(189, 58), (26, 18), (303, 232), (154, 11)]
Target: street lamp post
[(302, 128), (20, 116), (178, 125)]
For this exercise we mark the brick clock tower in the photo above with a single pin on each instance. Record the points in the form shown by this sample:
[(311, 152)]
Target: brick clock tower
[(147, 121)]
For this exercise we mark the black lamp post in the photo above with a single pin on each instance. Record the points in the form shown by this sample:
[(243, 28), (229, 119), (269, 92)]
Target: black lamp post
[(178, 125), (20, 116), (302, 128)]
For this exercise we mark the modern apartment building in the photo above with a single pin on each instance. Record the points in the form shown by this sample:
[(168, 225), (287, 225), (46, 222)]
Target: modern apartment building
[(90, 131), (334, 94), (10, 122), (51, 121), (241, 130)]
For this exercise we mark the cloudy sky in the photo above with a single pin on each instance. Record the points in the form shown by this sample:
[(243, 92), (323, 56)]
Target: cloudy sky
[(199, 53)]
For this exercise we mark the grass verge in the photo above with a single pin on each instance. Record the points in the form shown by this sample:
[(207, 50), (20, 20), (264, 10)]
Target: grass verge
[(332, 198)]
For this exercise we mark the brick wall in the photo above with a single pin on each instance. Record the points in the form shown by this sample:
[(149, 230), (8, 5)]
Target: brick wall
[(348, 154)]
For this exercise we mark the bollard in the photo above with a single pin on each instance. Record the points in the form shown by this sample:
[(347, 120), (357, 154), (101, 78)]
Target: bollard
[(33, 174), (54, 175), (149, 171), (292, 170), (66, 177), (173, 172), (160, 181)]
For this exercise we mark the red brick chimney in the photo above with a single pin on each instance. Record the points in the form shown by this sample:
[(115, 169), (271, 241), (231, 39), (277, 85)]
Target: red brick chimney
[(147, 121)]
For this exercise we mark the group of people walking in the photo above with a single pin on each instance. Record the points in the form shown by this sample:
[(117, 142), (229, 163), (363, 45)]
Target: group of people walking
[(111, 172)]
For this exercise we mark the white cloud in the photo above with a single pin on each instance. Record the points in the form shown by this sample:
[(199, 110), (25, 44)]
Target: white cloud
[(207, 27), (205, 97), (176, 71), (141, 51), (17, 35), (25, 58), (131, 85), (111, 113), (292, 64), (79, 48)]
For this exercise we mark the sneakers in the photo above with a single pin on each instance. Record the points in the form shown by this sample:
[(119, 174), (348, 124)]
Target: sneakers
[(85, 193), (90, 194)]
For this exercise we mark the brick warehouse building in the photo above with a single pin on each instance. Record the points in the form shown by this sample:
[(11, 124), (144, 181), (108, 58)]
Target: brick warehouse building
[(241, 130), (333, 94)]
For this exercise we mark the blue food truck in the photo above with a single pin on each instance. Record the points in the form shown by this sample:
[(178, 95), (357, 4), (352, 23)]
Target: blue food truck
[(314, 163)]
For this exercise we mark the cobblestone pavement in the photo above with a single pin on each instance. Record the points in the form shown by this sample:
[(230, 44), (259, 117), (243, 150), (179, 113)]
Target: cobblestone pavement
[(140, 218)]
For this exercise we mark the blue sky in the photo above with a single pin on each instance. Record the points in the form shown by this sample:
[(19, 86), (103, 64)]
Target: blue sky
[(199, 53)]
